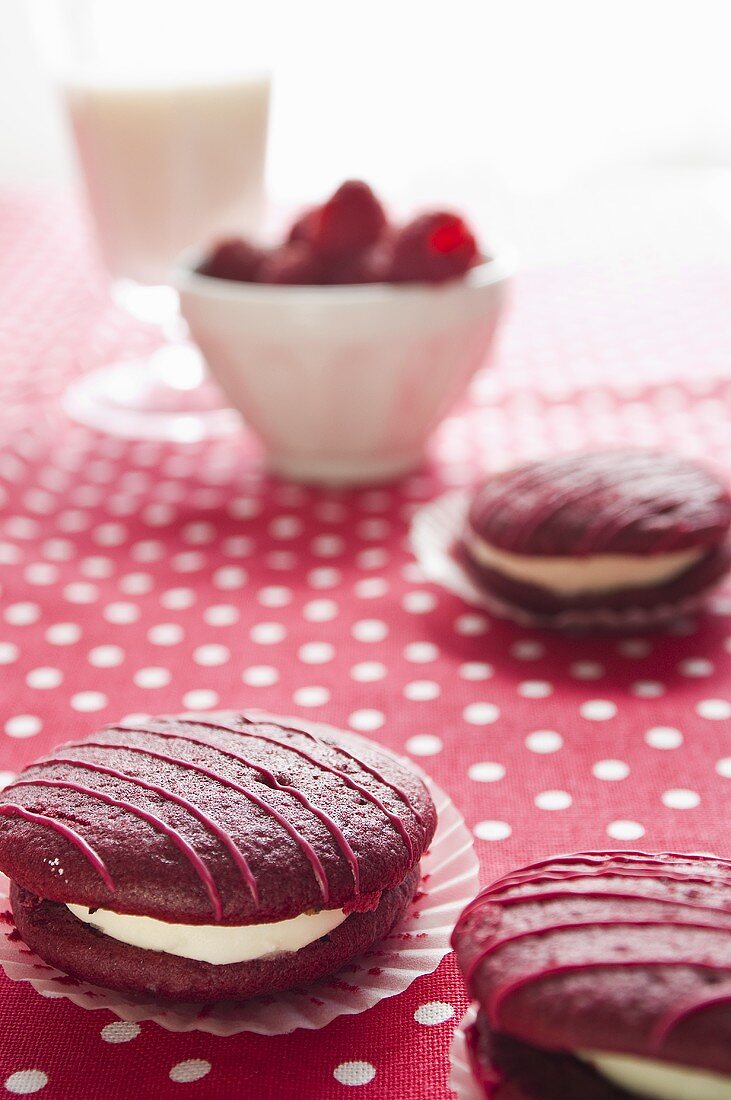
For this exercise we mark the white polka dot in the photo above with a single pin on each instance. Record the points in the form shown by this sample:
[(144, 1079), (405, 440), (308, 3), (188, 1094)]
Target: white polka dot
[(316, 653), (528, 650), (41, 572), (22, 614), (424, 744), (486, 772), (634, 647), (136, 584), (471, 625), (369, 630), (664, 737), (625, 830), (229, 577), (714, 709), (320, 611), (371, 588), (374, 558), (610, 770), (366, 719), (223, 614), (327, 546), (88, 701), (63, 633), (147, 550), (9, 652), (243, 507), (25, 1081), (275, 595), (312, 696), (106, 656), (165, 634), (23, 725), (648, 689), (285, 527), (97, 568), (324, 576), (587, 670), (121, 613), (178, 599), (553, 800), (680, 798), (193, 1069), (418, 603), (260, 676), (433, 1012), (367, 672), (5, 778), (59, 549), (153, 677), (476, 670), (492, 830), (481, 714), (211, 655), (421, 652), (354, 1073), (200, 699), (696, 667), (267, 633), (422, 690), (374, 529), (44, 678), (121, 1031), (110, 534), (598, 710), (535, 689), (723, 767), (544, 741), (198, 533), (81, 592)]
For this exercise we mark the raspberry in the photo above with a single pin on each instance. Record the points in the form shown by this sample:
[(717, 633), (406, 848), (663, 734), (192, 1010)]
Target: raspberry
[(433, 248), (295, 263), (233, 259), (369, 266), (348, 222)]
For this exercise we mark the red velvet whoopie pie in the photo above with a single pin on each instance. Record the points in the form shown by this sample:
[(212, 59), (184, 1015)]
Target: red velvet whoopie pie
[(210, 858), (602, 976)]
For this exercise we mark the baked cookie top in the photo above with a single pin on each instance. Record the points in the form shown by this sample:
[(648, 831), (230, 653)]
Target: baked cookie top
[(224, 819)]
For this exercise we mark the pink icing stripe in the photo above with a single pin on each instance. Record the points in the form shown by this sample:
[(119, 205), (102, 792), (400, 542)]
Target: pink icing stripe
[(503, 992), (11, 809), (307, 848), (196, 862), (676, 1016), (349, 782), (356, 760), (574, 926), (220, 834), (610, 895)]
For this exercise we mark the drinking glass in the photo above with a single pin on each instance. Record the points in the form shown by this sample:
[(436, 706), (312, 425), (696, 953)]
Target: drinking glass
[(168, 103)]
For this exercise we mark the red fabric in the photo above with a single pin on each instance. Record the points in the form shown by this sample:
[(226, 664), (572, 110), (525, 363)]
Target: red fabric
[(120, 539)]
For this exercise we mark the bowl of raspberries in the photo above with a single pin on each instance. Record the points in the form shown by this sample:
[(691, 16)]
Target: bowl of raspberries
[(344, 344)]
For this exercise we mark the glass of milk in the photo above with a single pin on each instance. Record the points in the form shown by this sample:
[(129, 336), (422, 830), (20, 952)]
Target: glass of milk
[(168, 103)]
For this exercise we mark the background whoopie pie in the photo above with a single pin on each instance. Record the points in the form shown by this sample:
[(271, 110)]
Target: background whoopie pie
[(210, 858)]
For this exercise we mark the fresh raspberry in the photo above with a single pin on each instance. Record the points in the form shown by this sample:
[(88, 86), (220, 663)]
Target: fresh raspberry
[(433, 248), (301, 229), (234, 259), (369, 266), (348, 222), (295, 263)]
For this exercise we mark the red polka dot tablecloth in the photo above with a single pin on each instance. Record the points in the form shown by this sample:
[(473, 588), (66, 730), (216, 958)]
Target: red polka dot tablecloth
[(139, 578)]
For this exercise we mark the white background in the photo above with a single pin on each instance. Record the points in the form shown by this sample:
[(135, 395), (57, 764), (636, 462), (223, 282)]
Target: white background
[(571, 125)]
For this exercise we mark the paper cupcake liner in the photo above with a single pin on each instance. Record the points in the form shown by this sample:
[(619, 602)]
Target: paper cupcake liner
[(437, 528), (461, 1078), (415, 947)]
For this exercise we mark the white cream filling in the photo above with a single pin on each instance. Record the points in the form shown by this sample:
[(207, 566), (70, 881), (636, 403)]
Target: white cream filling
[(213, 943), (659, 1080), (570, 576)]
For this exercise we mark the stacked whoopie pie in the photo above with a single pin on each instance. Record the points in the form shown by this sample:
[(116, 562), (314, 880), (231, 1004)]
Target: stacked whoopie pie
[(602, 976), (202, 859), (594, 537)]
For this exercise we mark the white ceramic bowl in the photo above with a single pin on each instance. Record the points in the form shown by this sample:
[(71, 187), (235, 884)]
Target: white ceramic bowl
[(343, 384)]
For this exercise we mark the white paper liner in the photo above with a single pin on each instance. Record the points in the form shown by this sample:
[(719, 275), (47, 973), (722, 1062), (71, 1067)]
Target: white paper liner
[(461, 1078), (450, 878), (437, 528)]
